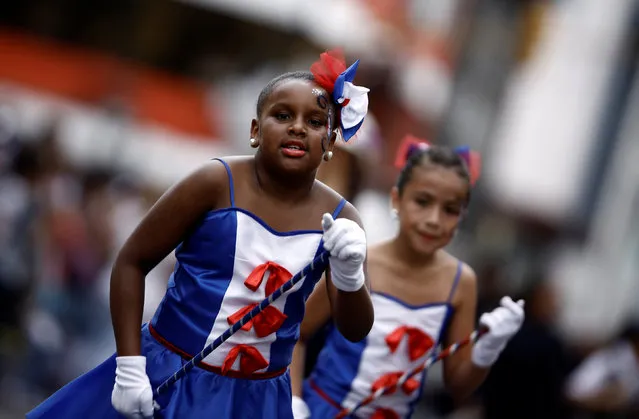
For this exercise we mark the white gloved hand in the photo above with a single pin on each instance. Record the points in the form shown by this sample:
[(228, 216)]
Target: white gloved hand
[(346, 242), (502, 323), (132, 395), (300, 409)]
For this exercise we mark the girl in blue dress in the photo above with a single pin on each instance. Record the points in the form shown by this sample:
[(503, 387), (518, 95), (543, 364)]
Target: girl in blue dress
[(241, 227), (423, 297)]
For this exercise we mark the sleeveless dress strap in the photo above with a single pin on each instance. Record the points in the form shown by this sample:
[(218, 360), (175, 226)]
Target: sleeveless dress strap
[(338, 208), (455, 282), (230, 175)]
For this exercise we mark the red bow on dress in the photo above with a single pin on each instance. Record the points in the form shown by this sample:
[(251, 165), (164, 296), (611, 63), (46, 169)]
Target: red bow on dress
[(390, 381), (278, 275), (270, 319), (265, 323), (251, 359), (418, 342)]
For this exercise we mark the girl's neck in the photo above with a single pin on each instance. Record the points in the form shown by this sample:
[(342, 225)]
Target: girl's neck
[(404, 252), (282, 186)]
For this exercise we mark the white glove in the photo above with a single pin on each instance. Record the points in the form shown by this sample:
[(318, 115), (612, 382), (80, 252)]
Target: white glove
[(346, 242), (132, 395), (503, 322), (300, 409)]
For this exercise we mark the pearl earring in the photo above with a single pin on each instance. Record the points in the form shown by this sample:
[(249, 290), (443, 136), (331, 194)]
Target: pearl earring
[(328, 155), (253, 142), (394, 214)]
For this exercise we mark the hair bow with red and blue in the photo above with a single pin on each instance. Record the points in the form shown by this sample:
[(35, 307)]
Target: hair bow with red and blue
[(331, 73), (410, 145)]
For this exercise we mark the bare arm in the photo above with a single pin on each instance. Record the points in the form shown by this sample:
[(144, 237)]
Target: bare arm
[(160, 231), (318, 312), (351, 311), (461, 376)]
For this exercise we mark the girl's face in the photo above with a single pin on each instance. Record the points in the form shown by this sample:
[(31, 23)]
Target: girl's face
[(294, 129), (430, 207)]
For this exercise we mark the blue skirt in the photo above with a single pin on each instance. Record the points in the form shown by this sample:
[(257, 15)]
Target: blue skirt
[(320, 408), (200, 394)]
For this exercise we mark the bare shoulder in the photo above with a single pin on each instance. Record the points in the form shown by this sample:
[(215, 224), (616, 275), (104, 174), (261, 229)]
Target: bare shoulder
[(332, 199), (176, 213), (240, 167), (467, 278), (467, 284), (206, 182), (241, 163), (213, 172)]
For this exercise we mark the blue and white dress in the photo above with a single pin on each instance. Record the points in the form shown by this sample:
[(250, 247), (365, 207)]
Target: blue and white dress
[(229, 263), (402, 338)]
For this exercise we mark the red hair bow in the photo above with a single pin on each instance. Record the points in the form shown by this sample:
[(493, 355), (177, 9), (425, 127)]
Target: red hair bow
[(473, 162), (410, 144), (328, 68)]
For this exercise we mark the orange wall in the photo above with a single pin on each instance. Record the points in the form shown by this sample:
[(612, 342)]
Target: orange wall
[(92, 77)]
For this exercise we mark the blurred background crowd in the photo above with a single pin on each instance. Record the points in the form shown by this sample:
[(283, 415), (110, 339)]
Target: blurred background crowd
[(103, 105)]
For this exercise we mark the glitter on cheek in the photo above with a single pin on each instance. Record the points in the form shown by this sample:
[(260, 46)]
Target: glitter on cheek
[(329, 121)]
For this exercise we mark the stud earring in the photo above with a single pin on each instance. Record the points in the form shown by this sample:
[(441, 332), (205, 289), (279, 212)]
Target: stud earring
[(328, 155), (253, 142), (394, 214)]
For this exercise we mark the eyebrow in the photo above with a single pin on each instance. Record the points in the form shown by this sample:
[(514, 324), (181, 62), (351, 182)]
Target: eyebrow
[(430, 195)]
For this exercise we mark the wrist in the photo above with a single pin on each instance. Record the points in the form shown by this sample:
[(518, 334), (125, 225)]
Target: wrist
[(130, 366), (127, 344), (130, 360)]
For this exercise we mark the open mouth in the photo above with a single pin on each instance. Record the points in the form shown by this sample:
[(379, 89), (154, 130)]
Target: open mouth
[(294, 145), (294, 149)]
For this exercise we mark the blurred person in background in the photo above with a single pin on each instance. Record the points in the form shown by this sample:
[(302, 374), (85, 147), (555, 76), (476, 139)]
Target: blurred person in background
[(20, 212), (423, 298), (84, 239), (526, 381), (606, 383), (41, 274), (233, 220), (74, 244)]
